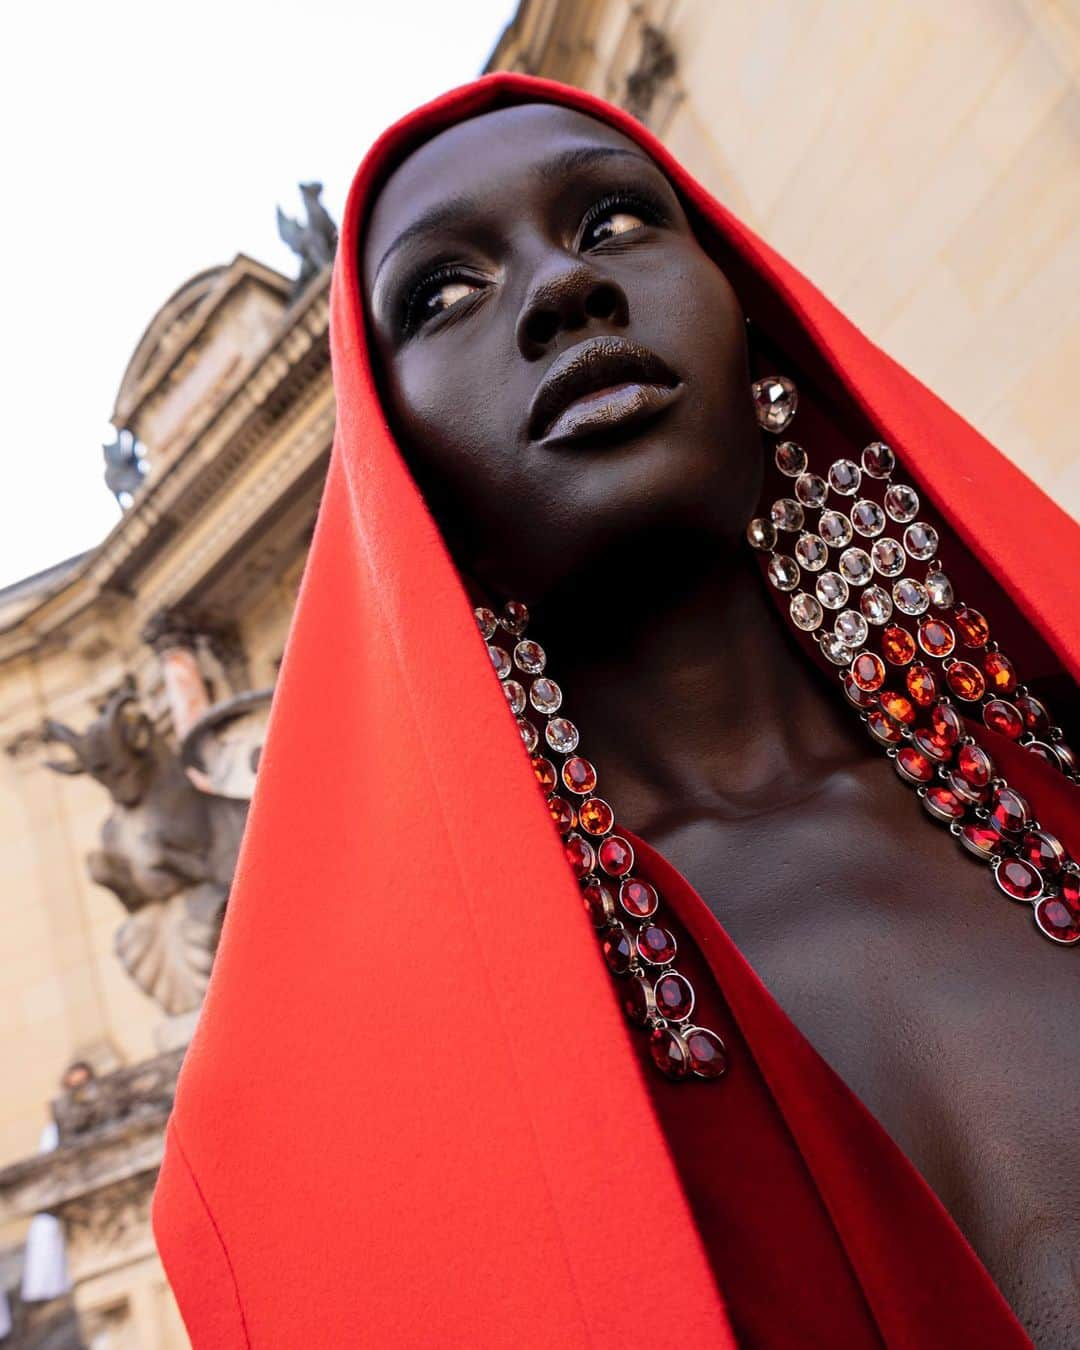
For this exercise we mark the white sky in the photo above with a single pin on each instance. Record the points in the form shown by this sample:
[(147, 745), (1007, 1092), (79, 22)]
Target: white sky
[(144, 142)]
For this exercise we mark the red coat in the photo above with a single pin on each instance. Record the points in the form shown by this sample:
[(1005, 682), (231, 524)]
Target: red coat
[(413, 1113)]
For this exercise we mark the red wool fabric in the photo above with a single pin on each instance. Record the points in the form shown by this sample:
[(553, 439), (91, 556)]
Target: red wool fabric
[(403, 1119)]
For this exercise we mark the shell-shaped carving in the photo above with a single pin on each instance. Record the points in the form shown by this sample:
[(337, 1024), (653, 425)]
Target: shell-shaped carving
[(168, 947)]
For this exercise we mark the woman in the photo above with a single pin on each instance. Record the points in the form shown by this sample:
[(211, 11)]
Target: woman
[(415, 1111)]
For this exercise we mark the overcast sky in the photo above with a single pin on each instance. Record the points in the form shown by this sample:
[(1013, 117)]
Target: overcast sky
[(144, 142)]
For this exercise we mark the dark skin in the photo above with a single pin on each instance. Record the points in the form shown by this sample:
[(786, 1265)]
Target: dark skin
[(942, 1009)]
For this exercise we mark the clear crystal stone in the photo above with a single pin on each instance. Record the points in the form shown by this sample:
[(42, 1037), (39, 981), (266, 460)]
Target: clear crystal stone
[(868, 518), (775, 401), (812, 552), (791, 458), (901, 502), (832, 590), (562, 735), (921, 540), (835, 648), (876, 604), (855, 566), (835, 528), (805, 612), (844, 477), (783, 572), (878, 460), (545, 695), (811, 489), (500, 659), (888, 557), (761, 533), (851, 628), (528, 733), (485, 621), (515, 617), (911, 596), (787, 514), (529, 656), (940, 590), (515, 695)]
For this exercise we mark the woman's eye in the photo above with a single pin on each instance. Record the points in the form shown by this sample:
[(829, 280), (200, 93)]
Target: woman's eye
[(436, 295), (612, 223)]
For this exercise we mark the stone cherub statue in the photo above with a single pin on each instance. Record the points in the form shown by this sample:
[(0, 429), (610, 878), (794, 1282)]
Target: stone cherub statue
[(315, 241), (168, 849)]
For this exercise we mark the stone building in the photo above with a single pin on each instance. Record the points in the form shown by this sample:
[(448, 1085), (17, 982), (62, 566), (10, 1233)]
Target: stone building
[(914, 160)]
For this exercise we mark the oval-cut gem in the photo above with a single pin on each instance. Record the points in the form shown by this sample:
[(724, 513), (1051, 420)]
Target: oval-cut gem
[(515, 617), (910, 596), (860, 697), (845, 477), (851, 628), (1010, 812), (775, 400), (618, 948), (811, 489), (515, 695), (562, 735), (812, 552), (975, 795), (882, 728), (921, 540), (783, 572), (940, 590), (599, 902), (974, 765), (914, 766), (500, 660), (485, 621), (878, 460), (1000, 673), (1044, 851), (868, 518), (761, 533), (595, 816), (1067, 758), (945, 723), (933, 746), (1058, 919), (856, 567), (790, 459), (876, 604), (897, 706), (638, 898), (638, 1001), (786, 514), (835, 528), (669, 1052), (656, 945), (1003, 718), (545, 695), (921, 685), (943, 803), (982, 840), (530, 657), (562, 813), (545, 772), (868, 672), (1035, 714), (972, 626), (901, 503), (528, 733), (805, 612), (708, 1055), (834, 649), (897, 646), (616, 856), (579, 775), (888, 557), (966, 681), (1018, 879), (580, 855), (936, 638), (674, 996), (832, 590)]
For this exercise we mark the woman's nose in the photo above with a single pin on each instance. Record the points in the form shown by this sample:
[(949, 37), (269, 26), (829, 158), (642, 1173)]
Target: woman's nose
[(565, 299)]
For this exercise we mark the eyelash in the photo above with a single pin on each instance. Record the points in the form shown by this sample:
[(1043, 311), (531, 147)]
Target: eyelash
[(644, 204)]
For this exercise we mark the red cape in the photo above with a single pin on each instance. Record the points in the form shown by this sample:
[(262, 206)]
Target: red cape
[(413, 1113)]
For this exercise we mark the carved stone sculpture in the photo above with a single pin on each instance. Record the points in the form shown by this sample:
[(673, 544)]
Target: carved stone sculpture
[(124, 467), (315, 241)]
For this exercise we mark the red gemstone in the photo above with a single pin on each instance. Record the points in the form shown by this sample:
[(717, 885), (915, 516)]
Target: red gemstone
[(897, 706), (616, 856), (983, 841), (1000, 673), (974, 766), (1068, 760), (1058, 919), (579, 775), (618, 948), (897, 645), (638, 898), (1018, 879), (1070, 888), (599, 902), (973, 627), (656, 945), (945, 723), (936, 638), (545, 772), (669, 1052), (911, 764), (868, 672), (861, 698), (562, 813), (1003, 718), (944, 804), (580, 855), (1042, 751), (595, 815), (638, 1001), (1010, 813), (938, 750), (966, 681), (975, 795), (674, 996), (921, 685), (1035, 714), (708, 1057), (883, 728), (1043, 851)]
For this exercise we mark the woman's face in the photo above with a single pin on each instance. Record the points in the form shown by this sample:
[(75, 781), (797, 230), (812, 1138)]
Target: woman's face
[(562, 364)]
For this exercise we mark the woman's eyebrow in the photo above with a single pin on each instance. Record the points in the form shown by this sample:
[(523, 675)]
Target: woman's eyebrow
[(551, 169)]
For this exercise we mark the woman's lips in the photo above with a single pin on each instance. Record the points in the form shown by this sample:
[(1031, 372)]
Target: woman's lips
[(619, 408)]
